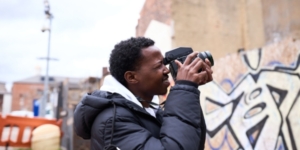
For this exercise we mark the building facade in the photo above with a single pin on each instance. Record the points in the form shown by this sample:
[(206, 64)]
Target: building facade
[(222, 27), (252, 102)]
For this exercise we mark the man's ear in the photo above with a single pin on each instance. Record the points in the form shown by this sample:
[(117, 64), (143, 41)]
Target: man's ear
[(130, 77)]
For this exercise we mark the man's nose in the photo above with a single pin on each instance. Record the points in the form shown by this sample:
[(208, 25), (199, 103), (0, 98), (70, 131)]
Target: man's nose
[(166, 70)]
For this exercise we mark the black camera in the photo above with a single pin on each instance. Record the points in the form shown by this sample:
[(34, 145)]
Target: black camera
[(180, 54)]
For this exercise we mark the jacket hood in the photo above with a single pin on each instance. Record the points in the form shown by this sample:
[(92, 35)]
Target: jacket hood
[(92, 104), (112, 85), (87, 110)]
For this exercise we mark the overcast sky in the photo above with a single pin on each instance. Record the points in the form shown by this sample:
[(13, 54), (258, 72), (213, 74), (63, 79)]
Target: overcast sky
[(83, 34)]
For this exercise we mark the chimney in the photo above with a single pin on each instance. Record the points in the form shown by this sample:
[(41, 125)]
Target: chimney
[(104, 71)]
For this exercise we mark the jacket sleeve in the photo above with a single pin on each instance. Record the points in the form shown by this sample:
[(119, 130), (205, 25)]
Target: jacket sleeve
[(180, 128)]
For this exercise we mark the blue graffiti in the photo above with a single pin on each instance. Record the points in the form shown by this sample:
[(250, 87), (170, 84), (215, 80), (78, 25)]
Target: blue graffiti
[(225, 140), (230, 82), (277, 63), (274, 63), (251, 139), (227, 81), (293, 63), (281, 147)]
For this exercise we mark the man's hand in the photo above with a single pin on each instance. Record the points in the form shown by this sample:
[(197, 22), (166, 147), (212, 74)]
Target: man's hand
[(189, 70)]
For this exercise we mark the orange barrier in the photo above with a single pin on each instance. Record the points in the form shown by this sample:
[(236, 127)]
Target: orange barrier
[(22, 123)]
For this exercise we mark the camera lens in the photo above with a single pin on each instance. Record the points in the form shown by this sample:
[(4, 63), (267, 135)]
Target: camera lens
[(207, 55)]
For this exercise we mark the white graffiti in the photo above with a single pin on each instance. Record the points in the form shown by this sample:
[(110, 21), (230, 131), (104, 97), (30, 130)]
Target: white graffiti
[(259, 113)]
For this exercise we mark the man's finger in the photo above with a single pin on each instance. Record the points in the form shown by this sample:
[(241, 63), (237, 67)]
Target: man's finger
[(203, 76), (199, 64), (194, 62), (206, 65), (209, 74), (178, 63), (190, 58), (207, 62)]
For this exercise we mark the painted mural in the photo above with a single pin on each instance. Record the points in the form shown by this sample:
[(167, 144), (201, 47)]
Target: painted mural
[(254, 101)]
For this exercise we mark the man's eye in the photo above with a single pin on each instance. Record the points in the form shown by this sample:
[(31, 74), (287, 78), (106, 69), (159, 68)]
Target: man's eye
[(159, 66)]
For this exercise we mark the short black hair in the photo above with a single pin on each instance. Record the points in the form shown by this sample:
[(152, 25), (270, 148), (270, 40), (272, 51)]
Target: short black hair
[(125, 56)]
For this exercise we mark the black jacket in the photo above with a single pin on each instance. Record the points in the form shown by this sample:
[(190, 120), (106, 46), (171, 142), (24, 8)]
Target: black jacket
[(180, 126)]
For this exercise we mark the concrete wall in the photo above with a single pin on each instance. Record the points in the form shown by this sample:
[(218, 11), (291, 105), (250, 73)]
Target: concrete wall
[(1, 102), (281, 19), (221, 27), (161, 33), (7, 103), (254, 100)]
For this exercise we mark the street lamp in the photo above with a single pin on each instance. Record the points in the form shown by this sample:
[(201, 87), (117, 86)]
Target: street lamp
[(44, 100)]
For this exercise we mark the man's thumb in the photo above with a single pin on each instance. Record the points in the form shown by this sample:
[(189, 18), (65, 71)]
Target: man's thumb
[(178, 63)]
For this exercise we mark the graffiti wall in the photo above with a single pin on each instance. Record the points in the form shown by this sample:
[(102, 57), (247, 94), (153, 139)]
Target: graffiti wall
[(254, 101)]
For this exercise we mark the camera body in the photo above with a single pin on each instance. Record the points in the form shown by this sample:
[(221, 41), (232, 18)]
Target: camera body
[(180, 54)]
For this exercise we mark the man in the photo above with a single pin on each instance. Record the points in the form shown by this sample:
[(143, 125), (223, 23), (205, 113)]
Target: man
[(123, 114)]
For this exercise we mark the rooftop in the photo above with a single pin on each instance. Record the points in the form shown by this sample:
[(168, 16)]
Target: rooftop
[(55, 80)]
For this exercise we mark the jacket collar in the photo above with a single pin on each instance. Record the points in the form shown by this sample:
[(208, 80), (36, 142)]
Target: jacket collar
[(112, 85), (119, 100)]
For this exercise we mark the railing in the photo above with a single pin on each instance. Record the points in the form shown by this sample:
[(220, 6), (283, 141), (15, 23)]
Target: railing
[(16, 131)]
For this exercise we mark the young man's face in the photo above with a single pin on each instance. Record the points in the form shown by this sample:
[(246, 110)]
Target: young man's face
[(152, 73)]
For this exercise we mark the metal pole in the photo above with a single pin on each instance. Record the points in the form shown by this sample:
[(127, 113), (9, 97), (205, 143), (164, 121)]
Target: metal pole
[(44, 100)]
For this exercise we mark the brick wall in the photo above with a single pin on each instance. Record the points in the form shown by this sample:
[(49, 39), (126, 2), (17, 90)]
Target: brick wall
[(159, 10), (223, 27), (27, 92)]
